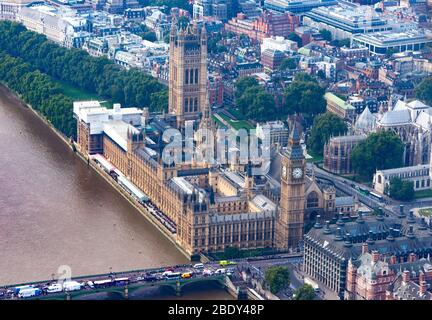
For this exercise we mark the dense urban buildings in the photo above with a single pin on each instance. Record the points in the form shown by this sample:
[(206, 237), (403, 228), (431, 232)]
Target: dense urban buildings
[(331, 249), (268, 25), (265, 77)]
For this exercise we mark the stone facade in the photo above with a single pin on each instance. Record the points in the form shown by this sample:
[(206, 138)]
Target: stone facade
[(188, 72), (337, 153)]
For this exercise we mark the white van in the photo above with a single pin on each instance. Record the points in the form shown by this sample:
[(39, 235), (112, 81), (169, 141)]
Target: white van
[(220, 271), (30, 292), (55, 287), (71, 286), (198, 266)]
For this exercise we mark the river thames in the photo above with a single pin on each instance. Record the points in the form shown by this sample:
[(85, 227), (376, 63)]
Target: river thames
[(55, 211)]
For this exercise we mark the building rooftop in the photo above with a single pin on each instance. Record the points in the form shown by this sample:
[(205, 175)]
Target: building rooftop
[(404, 169), (389, 37), (118, 130), (338, 101), (395, 117), (387, 235)]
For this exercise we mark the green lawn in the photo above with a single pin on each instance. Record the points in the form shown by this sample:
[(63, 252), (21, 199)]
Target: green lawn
[(236, 124), (79, 94), (423, 194)]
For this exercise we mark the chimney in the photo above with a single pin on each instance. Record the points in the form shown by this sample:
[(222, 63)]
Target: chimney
[(406, 276), (412, 257), (393, 259), (375, 256), (365, 248), (423, 287)]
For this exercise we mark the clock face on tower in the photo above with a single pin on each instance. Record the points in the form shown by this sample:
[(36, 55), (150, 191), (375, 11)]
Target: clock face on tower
[(297, 173)]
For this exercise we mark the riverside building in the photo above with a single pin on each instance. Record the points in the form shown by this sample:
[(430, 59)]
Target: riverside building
[(213, 205)]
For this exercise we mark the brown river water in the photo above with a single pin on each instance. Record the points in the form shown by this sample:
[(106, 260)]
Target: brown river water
[(56, 211)]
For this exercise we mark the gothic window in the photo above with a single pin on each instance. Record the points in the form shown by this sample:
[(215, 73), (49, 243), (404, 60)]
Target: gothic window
[(312, 200), (379, 178), (196, 75), (186, 105), (195, 108), (186, 76)]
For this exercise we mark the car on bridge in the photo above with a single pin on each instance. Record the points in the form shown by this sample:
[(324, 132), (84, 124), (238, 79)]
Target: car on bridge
[(150, 277), (187, 275), (208, 272), (55, 287), (198, 266)]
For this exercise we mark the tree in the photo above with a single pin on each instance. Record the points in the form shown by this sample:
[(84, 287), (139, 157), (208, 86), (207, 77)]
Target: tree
[(77, 68), (252, 100), (341, 43), (321, 74), (263, 106), (182, 4), (424, 91), (146, 34), (278, 278), (256, 104), (305, 292), (401, 190), (325, 34), (304, 77), (232, 253), (244, 83), (294, 37), (305, 96), (381, 150), (324, 126), (288, 63)]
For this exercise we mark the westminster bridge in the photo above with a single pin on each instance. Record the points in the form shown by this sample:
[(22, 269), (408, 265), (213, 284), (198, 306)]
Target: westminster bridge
[(125, 284)]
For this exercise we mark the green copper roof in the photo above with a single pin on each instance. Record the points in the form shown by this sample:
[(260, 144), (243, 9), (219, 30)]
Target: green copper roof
[(338, 101)]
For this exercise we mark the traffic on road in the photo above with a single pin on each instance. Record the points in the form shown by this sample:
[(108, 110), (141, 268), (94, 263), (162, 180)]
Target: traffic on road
[(180, 272)]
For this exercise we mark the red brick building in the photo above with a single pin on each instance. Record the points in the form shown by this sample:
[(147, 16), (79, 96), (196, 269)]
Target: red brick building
[(267, 25), (374, 277), (215, 88), (271, 59)]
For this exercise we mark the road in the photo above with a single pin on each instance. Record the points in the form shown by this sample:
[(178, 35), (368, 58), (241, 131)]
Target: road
[(390, 206), (162, 275), (257, 270)]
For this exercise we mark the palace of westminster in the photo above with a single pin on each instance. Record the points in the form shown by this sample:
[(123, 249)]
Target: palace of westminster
[(213, 206)]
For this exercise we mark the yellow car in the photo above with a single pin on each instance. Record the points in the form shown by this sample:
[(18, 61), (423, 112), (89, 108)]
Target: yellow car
[(186, 275)]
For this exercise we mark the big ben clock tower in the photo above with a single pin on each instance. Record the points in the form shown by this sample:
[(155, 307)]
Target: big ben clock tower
[(289, 226)]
